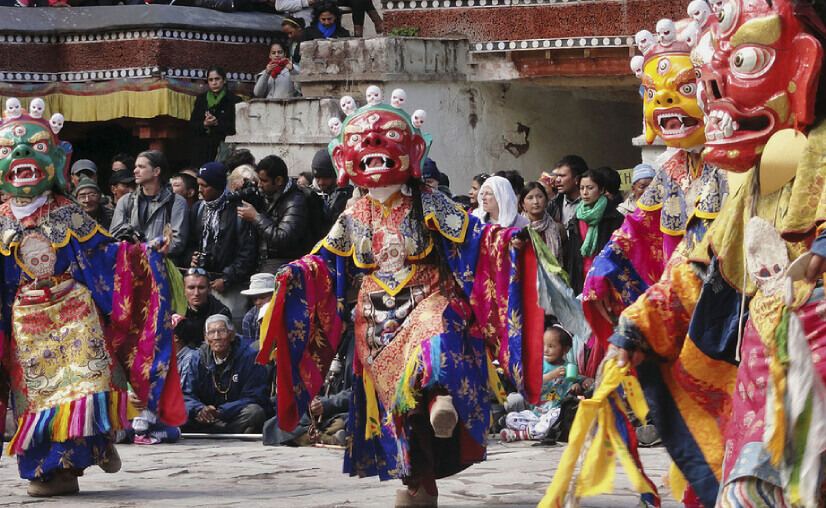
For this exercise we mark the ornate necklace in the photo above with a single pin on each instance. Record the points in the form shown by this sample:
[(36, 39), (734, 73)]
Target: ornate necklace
[(218, 386)]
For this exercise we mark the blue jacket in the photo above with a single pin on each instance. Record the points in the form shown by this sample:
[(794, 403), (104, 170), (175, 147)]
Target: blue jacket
[(245, 381)]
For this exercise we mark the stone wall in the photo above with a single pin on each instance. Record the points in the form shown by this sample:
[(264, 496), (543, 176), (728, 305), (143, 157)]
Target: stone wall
[(477, 127)]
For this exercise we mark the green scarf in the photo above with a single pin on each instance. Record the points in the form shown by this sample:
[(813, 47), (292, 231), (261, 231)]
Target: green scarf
[(591, 215), (213, 100)]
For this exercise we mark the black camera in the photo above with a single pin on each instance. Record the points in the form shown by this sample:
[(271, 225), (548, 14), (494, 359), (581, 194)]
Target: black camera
[(131, 235), (203, 259), (248, 192)]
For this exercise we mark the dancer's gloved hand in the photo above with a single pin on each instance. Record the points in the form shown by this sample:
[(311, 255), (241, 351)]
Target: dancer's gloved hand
[(520, 239), (624, 356), (817, 265)]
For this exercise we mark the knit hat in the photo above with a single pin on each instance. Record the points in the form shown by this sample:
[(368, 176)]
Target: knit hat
[(429, 169), (214, 174), (641, 171), (322, 165), (84, 165), (85, 182)]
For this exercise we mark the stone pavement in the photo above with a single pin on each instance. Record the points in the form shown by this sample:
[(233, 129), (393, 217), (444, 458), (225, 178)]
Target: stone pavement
[(232, 472)]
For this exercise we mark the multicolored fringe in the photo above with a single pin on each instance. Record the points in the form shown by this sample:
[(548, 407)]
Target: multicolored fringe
[(88, 416), (419, 366)]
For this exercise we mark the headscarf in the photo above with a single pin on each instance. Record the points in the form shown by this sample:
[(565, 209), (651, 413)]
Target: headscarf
[(591, 215), (505, 198)]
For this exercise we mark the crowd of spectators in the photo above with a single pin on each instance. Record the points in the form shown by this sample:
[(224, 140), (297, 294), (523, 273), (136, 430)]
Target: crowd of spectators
[(234, 223)]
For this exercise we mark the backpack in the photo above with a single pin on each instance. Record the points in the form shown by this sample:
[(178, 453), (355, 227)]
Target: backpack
[(562, 426), (318, 224)]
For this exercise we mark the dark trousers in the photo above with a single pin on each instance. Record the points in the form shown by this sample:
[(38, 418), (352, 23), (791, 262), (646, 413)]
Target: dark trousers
[(248, 421), (360, 7)]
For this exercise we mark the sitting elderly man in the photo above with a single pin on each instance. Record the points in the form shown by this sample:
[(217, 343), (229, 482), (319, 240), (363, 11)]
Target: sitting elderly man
[(225, 391)]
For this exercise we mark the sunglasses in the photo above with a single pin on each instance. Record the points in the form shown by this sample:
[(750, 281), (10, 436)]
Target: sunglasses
[(199, 271)]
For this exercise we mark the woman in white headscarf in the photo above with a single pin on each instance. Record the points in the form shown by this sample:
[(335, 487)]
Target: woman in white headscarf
[(498, 204)]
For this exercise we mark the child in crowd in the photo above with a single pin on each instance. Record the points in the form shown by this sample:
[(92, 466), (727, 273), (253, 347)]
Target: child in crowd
[(559, 378), (591, 227)]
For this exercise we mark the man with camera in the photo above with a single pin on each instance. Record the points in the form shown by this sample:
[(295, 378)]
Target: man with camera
[(284, 228), (219, 242), (143, 214)]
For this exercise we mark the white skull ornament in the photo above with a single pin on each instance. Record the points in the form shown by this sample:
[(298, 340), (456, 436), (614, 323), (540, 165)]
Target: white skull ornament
[(644, 41), (636, 65), (691, 34), (398, 98), (335, 126), (373, 95), (38, 255), (666, 32), (766, 255), (348, 105), (13, 108), (717, 5), (37, 107), (419, 117), (699, 12), (56, 122)]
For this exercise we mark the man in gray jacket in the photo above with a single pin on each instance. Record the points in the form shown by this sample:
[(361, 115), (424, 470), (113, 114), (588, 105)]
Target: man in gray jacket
[(144, 213)]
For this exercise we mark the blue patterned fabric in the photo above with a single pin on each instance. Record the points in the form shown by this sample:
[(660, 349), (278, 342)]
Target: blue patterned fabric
[(91, 257), (461, 367)]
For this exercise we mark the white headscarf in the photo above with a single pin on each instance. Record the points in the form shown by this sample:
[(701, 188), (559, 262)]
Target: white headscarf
[(505, 198)]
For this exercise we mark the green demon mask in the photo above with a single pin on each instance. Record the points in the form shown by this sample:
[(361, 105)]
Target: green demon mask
[(31, 158)]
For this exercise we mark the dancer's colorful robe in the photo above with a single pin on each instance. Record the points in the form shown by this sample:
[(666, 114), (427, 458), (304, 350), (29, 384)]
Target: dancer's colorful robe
[(416, 328), (67, 355), (668, 224), (676, 210), (706, 312)]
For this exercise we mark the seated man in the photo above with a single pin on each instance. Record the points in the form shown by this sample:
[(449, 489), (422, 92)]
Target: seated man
[(225, 391), (200, 304), (260, 291), (329, 411), (87, 194)]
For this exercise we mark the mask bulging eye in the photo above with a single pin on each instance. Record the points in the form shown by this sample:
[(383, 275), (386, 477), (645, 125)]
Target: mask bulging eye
[(750, 60), (689, 89)]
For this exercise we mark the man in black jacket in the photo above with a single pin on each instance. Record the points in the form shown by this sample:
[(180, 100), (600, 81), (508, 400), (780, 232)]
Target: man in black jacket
[(219, 242), (562, 207), (200, 304), (283, 228), (324, 183)]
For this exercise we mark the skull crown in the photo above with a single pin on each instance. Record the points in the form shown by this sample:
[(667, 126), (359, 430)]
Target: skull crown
[(14, 112), (373, 97), (667, 39)]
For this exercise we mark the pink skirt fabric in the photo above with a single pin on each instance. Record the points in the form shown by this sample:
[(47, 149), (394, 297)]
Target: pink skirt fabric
[(745, 455)]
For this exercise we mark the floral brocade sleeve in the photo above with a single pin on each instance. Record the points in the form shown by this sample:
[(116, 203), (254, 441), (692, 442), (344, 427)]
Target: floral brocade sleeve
[(658, 321)]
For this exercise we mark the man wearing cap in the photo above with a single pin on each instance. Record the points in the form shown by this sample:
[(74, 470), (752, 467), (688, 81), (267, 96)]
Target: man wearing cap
[(83, 167), (220, 243), (324, 183), (430, 174), (260, 291), (640, 180), (121, 183), (87, 193)]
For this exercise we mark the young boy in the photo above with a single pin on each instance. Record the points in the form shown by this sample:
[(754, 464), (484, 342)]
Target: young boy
[(534, 423)]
